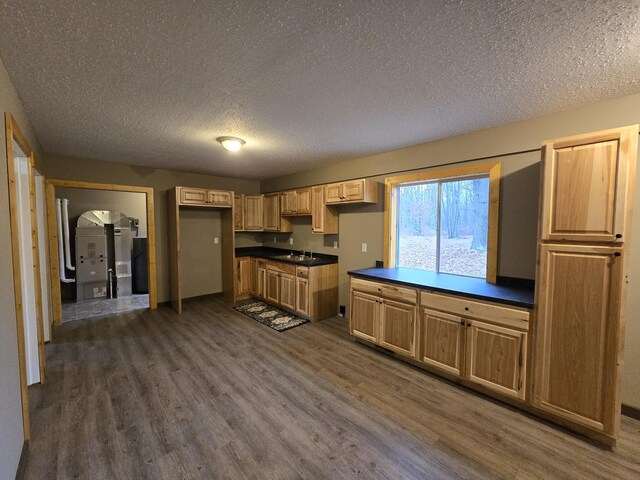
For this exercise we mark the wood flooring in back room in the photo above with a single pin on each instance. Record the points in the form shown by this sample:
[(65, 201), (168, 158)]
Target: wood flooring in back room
[(213, 394)]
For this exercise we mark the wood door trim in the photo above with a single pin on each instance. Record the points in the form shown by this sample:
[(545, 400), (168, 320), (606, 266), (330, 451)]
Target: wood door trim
[(13, 132), (53, 235)]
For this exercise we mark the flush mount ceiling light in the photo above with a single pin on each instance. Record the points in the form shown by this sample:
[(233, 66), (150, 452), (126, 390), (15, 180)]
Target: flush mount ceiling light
[(233, 144)]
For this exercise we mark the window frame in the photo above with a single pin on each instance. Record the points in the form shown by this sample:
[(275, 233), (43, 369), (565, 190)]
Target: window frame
[(432, 175)]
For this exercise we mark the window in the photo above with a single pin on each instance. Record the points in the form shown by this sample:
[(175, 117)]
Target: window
[(444, 221)]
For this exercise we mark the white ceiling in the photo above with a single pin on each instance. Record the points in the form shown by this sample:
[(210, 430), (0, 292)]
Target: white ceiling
[(305, 83)]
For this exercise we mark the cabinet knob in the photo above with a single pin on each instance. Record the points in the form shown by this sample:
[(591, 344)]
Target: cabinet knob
[(466, 309), (617, 254), (618, 235)]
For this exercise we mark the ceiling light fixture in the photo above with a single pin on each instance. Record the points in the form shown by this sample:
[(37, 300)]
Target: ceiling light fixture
[(233, 144)]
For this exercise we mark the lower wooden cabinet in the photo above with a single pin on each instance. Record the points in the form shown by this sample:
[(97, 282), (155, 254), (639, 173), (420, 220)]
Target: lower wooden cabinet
[(288, 290), (365, 316), (385, 315), (578, 334), (260, 286), (273, 286), (303, 291), (496, 357), (244, 277), (487, 349), (442, 340), (398, 327)]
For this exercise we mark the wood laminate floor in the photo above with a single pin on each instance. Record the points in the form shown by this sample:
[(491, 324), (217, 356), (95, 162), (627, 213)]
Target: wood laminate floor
[(213, 394)]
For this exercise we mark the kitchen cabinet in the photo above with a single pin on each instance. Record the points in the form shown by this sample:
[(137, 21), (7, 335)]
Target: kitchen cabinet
[(442, 340), (260, 287), (253, 213), (244, 276), (248, 213), (496, 357), (578, 339), (204, 197), (489, 340), (324, 218), (353, 191), (302, 291), (238, 213), (587, 191), (296, 202), (288, 290), (587, 185), (273, 285), (272, 220), (384, 314)]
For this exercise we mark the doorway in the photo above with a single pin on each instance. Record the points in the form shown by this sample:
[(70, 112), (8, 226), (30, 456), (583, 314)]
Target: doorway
[(103, 214)]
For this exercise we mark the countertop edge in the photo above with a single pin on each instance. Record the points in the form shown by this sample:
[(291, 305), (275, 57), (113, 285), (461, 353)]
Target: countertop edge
[(502, 301)]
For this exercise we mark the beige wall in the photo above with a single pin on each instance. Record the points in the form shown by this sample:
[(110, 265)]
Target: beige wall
[(518, 203), (69, 168), (11, 437)]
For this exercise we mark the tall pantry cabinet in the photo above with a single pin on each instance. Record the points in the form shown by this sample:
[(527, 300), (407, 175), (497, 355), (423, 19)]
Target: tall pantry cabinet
[(587, 193)]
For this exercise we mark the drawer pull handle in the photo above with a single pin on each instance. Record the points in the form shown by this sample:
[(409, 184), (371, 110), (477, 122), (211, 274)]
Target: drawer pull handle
[(466, 309)]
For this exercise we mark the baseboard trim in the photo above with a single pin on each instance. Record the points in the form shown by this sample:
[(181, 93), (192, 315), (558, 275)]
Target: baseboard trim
[(22, 464), (629, 411)]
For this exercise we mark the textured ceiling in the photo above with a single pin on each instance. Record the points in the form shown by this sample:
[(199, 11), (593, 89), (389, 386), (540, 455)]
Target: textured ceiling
[(305, 83)]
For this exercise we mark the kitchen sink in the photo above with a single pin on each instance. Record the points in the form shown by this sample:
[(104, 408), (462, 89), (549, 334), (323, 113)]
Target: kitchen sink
[(294, 258)]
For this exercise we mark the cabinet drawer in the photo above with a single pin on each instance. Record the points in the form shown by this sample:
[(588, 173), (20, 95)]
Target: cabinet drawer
[(302, 272), (393, 292), (193, 196), (502, 315), (282, 267)]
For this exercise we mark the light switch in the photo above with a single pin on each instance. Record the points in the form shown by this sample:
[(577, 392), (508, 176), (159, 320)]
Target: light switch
[(335, 244), (274, 239), (215, 240), (291, 241), (364, 247)]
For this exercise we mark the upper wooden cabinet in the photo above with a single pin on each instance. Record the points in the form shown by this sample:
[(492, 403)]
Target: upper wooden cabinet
[(205, 198), (253, 213), (587, 186), (324, 219), (273, 221), (578, 334), (353, 191), (296, 202), (238, 213)]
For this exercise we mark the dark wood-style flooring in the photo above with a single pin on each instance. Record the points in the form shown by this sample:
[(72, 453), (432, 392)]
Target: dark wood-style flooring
[(213, 394)]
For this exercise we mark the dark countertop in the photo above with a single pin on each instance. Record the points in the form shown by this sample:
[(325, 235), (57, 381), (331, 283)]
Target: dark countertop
[(459, 285), (271, 254)]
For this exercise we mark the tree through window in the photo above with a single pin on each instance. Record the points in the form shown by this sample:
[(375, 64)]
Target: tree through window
[(442, 226)]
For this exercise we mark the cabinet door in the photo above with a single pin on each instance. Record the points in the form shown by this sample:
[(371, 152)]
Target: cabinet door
[(324, 219), (288, 203), (398, 327), (219, 198), (333, 193), (288, 291), (587, 183), (302, 296), (303, 201), (578, 334), (253, 215), (238, 213), (273, 286), (193, 196), (353, 191), (272, 212), (496, 357), (442, 340), (364, 316), (243, 276), (261, 282)]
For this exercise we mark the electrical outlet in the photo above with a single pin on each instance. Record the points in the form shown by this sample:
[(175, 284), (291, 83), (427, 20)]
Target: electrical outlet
[(335, 244), (291, 241), (364, 247), (215, 240)]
